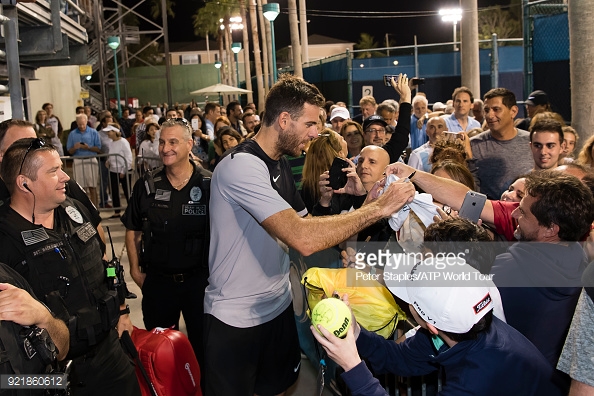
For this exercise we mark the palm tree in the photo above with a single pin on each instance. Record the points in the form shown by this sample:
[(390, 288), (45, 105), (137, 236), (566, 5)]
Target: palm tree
[(156, 8), (206, 22), (257, 54), (495, 20), (366, 42), (581, 42), (295, 43)]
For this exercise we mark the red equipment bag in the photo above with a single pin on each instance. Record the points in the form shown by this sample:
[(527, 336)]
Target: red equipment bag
[(169, 362)]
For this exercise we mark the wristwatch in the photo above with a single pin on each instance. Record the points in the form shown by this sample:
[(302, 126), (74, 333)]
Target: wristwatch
[(125, 311)]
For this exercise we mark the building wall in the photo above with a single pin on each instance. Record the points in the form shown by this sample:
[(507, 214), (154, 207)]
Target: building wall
[(59, 85), (325, 50)]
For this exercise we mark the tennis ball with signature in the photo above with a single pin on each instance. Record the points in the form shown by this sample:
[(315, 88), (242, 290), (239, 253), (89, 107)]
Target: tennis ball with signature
[(334, 315)]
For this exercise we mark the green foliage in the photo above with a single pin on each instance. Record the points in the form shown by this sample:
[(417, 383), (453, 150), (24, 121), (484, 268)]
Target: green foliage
[(506, 23), (156, 8), (366, 42), (206, 19)]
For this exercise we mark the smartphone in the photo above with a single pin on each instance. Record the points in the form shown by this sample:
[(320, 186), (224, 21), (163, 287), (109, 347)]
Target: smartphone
[(388, 78), (473, 205), (418, 81), (338, 178), (450, 136), (195, 124)]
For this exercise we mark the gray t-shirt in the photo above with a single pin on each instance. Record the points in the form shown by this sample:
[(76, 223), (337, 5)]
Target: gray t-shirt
[(500, 162), (578, 352), (249, 269)]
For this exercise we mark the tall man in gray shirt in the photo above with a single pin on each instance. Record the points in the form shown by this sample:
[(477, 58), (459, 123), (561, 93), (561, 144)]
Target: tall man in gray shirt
[(251, 344), (502, 153)]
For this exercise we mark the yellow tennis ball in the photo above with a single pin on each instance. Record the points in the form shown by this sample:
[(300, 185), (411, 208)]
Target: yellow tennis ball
[(334, 315)]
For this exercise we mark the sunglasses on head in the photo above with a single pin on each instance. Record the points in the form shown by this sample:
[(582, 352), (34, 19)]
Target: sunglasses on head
[(35, 145)]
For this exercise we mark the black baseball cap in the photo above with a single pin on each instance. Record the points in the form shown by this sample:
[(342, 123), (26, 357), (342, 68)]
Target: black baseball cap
[(537, 98), (374, 119)]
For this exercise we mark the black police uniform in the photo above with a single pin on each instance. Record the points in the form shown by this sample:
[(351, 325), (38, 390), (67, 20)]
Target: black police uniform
[(19, 350), (176, 235), (65, 269)]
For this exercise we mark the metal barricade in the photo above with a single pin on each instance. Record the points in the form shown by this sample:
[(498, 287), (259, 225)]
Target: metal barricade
[(101, 185)]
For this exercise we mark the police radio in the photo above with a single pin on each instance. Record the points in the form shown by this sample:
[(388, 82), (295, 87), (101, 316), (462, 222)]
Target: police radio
[(115, 273)]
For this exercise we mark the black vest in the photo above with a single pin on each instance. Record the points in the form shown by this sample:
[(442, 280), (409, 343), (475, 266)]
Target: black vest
[(176, 224), (65, 269)]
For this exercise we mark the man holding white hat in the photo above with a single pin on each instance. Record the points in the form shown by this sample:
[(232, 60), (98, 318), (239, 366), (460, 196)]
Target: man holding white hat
[(480, 354), (338, 116)]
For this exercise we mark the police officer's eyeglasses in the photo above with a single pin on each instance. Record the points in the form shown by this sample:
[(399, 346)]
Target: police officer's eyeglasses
[(35, 145)]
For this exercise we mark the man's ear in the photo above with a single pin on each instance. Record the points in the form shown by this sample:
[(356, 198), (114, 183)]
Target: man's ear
[(514, 111), (283, 120), (551, 231)]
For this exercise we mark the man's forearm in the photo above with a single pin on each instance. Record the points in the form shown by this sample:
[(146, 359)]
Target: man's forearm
[(60, 335), (133, 247)]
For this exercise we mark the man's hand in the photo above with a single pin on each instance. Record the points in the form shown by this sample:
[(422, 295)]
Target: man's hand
[(421, 122), (465, 140), (354, 185), (402, 88), (124, 324), (396, 196), (18, 306), (399, 169), (137, 276), (326, 191)]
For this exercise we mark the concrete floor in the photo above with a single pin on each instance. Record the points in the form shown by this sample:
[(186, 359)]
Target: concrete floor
[(306, 384)]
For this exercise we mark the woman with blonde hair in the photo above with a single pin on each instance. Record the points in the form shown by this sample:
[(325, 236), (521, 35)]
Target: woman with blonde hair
[(318, 160), (352, 132), (585, 157), (43, 129)]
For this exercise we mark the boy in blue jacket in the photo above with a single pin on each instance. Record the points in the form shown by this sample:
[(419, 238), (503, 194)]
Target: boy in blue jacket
[(480, 354)]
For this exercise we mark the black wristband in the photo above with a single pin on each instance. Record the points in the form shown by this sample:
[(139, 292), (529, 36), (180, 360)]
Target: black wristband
[(125, 311)]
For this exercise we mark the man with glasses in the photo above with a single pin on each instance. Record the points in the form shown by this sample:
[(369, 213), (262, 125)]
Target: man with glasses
[(13, 130), (49, 239), (167, 236), (375, 130)]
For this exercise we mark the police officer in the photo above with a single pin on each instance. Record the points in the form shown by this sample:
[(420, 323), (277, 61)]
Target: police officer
[(12, 130), (167, 234), (31, 339), (49, 239)]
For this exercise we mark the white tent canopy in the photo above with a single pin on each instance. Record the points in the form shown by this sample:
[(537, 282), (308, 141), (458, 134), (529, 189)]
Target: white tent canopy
[(220, 89)]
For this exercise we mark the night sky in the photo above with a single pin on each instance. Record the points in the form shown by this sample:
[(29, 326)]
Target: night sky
[(331, 18)]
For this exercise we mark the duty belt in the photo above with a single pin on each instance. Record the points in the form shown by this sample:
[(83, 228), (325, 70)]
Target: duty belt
[(179, 277)]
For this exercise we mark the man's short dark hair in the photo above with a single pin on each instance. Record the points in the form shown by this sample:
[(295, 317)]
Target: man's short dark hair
[(13, 157), (562, 200), (231, 106), (79, 108), (7, 124), (547, 125), (45, 105), (210, 107), (460, 90), (146, 109), (508, 98), (385, 107), (455, 235), (290, 94)]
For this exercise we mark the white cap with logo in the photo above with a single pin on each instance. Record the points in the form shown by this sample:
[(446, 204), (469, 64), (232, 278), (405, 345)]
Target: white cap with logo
[(454, 305)]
